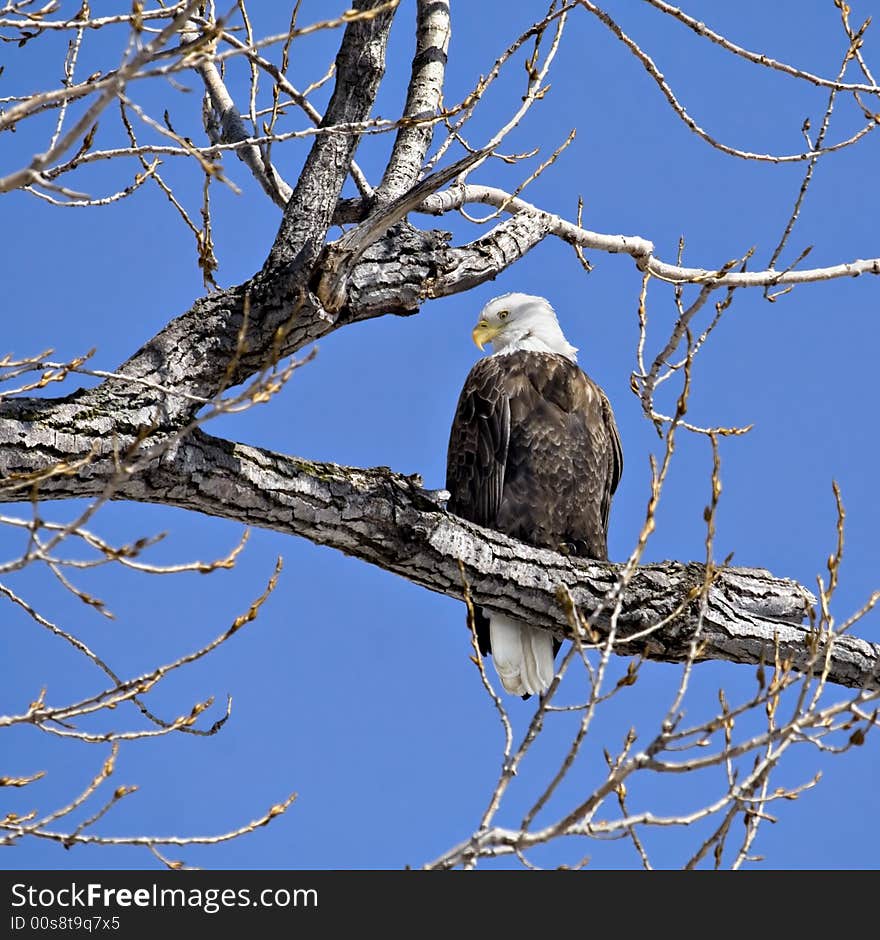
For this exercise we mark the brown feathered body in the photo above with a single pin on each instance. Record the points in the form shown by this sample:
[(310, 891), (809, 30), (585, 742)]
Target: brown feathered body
[(534, 452)]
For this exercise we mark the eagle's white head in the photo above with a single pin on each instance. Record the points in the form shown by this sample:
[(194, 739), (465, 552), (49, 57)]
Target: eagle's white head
[(514, 322)]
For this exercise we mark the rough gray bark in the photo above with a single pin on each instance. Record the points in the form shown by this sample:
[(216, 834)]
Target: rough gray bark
[(390, 521)]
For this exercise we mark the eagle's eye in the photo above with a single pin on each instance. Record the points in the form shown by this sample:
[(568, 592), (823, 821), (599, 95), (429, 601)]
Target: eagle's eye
[(502, 314)]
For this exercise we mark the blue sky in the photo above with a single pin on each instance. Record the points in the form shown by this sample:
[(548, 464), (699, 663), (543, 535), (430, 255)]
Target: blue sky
[(353, 688)]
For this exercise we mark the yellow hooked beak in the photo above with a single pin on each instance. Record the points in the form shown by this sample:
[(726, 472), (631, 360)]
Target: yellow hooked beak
[(484, 333)]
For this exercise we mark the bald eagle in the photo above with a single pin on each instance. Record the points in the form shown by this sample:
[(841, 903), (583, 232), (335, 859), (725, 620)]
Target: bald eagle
[(534, 452)]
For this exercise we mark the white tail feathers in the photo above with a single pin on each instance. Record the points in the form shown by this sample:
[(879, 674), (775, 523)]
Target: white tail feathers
[(523, 655)]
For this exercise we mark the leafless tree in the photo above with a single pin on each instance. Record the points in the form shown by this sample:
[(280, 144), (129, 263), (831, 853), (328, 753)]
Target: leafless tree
[(136, 433)]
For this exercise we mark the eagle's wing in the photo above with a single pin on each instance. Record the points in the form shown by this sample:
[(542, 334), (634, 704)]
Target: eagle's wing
[(477, 458), (616, 458), (478, 442)]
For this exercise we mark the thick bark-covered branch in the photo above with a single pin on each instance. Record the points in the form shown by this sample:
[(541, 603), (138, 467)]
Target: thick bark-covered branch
[(341, 257), (390, 521), (360, 65), (192, 354), (254, 323), (423, 96)]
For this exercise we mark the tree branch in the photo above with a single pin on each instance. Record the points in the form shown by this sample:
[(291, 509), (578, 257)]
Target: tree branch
[(641, 249), (229, 335), (342, 255), (233, 130), (114, 86), (360, 66), (284, 84), (422, 99), (759, 58), (390, 521)]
